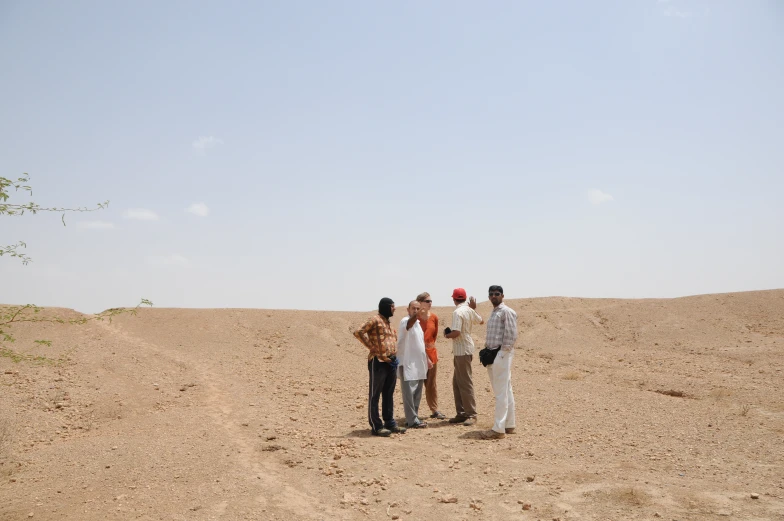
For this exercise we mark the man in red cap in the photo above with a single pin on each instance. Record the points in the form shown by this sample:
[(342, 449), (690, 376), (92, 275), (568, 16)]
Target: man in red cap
[(463, 319)]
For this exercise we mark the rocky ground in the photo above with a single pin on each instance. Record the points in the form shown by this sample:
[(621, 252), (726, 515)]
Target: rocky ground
[(627, 409)]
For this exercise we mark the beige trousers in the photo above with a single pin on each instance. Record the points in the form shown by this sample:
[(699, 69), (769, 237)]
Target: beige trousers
[(463, 387)]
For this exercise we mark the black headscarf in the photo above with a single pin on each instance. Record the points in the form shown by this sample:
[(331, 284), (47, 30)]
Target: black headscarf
[(385, 307)]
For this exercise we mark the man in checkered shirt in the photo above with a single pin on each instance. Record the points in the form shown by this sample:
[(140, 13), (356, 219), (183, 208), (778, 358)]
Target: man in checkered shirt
[(501, 336)]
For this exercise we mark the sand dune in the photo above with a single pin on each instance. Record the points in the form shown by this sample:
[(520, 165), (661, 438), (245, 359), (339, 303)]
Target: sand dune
[(628, 409)]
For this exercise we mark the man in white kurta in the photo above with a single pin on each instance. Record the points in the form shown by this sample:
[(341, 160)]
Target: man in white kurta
[(413, 364)]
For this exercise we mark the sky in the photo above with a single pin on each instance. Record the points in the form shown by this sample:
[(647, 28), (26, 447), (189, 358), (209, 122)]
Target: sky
[(322, 155)]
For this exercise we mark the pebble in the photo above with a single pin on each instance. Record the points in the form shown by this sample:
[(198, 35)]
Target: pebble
[(754, 495), (448, 499), (526, 506)]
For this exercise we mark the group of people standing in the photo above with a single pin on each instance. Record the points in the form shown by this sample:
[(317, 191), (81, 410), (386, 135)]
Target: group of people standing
[(409, 353)]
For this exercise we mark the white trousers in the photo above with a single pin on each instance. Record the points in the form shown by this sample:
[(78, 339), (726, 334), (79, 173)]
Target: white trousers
[(500, 373)]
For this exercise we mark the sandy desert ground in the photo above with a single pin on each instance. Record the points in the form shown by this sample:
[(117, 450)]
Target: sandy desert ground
[(628, 409)]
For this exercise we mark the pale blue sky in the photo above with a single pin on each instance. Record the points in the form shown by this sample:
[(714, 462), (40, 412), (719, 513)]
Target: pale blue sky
[(346, 151)]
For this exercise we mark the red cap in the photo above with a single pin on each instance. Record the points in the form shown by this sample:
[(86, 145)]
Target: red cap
[(459, 294)]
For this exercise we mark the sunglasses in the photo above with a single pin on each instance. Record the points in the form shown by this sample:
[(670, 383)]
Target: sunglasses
[(495, 293), (429, 301)]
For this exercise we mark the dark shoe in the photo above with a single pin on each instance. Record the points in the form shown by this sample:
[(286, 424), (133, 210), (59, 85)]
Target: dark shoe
[(457, 419), (469, 422), (420, 425), (398, 429), (382, 432), (510, 430), (438, 416)]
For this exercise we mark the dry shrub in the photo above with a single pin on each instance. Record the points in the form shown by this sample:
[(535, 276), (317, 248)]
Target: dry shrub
[(572, 375), (631, 496), (744, 409), (720, 393), (627, 496)]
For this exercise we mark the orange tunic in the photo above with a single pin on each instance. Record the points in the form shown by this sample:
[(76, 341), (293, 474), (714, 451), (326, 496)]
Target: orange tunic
[(430, 327)]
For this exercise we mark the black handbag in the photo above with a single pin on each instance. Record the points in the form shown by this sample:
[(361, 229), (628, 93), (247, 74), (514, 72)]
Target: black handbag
[(487, 356)]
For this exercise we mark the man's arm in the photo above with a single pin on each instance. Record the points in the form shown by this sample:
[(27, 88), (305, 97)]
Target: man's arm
[(477, 317), (457, 324), (361, 333), (510, 330), (410, 322)]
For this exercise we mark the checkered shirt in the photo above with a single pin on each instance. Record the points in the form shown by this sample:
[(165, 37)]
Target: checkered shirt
[(502, 328), (379, 336)]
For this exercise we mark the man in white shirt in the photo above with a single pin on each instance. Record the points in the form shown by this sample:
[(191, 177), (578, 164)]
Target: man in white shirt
[(413, 364), (463, 319)]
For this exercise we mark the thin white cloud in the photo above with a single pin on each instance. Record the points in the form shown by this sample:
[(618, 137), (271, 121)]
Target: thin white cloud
[(168, 260), (199, 209), (95, 225), (141, 214), (598, 197), (203, 143)]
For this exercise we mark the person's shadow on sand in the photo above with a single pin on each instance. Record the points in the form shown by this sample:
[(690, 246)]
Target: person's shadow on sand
[(359, 433), (431, 424), (438, 424), (471, 435)]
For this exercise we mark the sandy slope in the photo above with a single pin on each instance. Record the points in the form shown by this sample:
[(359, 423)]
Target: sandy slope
[(260, 414)]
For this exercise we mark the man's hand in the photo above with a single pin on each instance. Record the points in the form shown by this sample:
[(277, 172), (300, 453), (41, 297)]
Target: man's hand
[(429, 364), (472, 302)]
